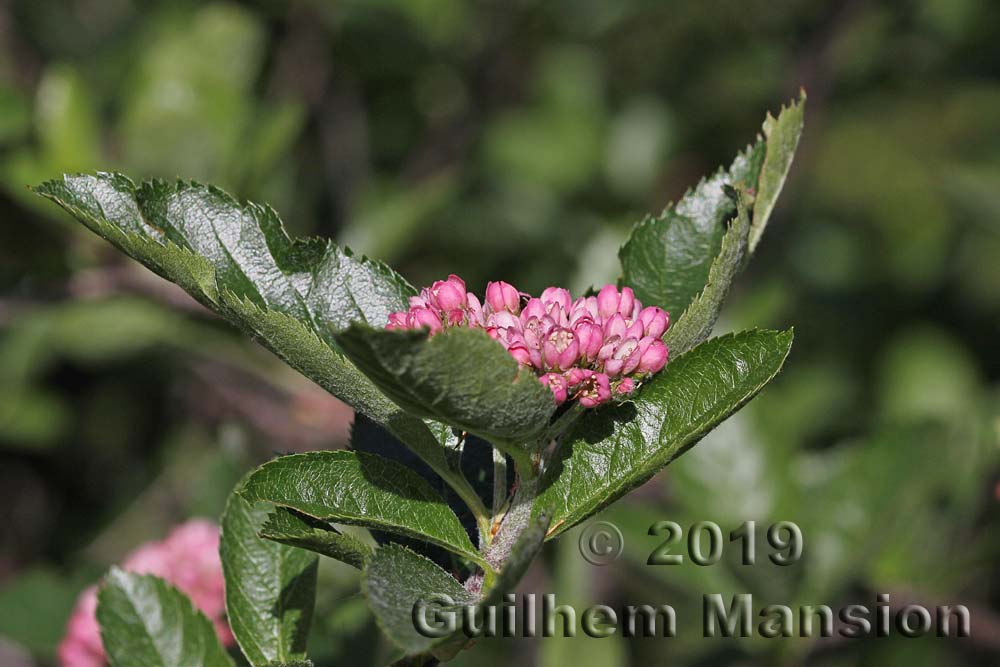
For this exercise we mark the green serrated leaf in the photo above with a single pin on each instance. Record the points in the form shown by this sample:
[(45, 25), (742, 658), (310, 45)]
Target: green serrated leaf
[(696, 323), (459, 376), (146, 621), (270, 587), (237, 260), (207, 241), (360, 489), (782, 137), (395, 580), (609, 452), (298, 530), (667, 258)]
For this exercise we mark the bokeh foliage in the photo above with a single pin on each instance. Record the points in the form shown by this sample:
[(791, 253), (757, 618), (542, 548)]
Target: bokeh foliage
[(519, 140)]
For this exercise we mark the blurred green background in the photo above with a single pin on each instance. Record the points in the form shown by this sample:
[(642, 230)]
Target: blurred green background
[(520, 140)]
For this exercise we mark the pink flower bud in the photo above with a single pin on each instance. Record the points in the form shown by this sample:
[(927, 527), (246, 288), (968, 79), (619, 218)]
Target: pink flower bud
[(654, 321), (590, 338), (608, 348), (474, 310), (654, 358), (425, 317), (615, 326), (503, 320), (521, 354), (626, 303), (397, 321), (634, 330), (501, 296), (557, 384), (557, 296), (448, 295), (534, 308), (607, 301), (625, 358), (560, 349)]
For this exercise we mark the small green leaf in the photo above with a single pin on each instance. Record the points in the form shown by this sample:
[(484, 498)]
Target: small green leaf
[(667, 258), (396, 579), (695, 325), (459, 376), (360, 489), (782, 137), (146, 621), (609, 452), (270, 587), (298, 530)]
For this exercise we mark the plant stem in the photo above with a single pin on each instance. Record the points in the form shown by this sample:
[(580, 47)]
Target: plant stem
[(460, 485)]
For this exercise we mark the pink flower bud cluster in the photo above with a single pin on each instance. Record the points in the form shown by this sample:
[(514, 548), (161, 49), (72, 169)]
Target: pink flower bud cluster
[(188, 558), (588, 349)]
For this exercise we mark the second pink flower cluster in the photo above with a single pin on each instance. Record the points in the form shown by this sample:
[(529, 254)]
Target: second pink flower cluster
[(588, 349)]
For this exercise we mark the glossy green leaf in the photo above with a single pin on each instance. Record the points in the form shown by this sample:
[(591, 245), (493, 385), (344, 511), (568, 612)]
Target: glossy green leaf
[(695, 324), (609, 452), (459, 376), (270, 587), (360, 489), (781, 135), (146, 621), (240, 248), (395, 580), (237, 260), (298, 530), (667, 258)]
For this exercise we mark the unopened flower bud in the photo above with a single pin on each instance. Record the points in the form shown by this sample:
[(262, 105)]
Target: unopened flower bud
[(626, 303), (425, 317), (501, 296), (557, 296), (654, 358), (534, 308), (654, 321), (397, 321), (607, 301), (448, 295), (590, 338)]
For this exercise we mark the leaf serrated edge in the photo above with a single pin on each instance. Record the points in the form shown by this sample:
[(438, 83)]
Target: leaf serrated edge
[(568, 521), (378, 620), (117, 576)]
